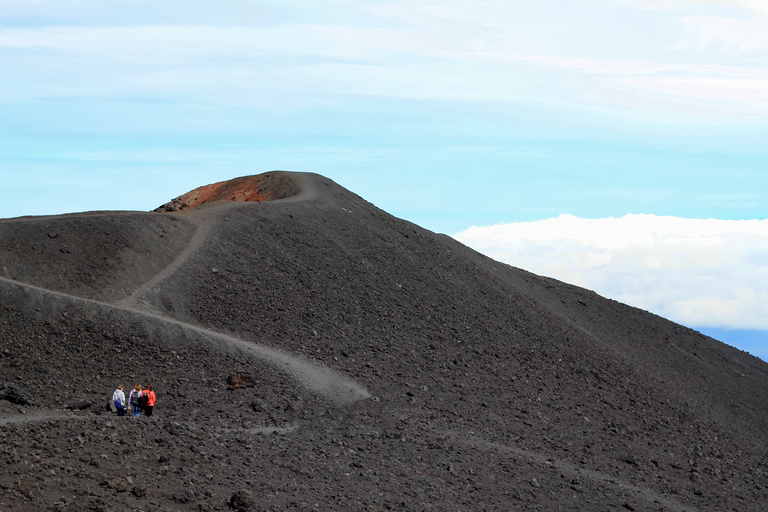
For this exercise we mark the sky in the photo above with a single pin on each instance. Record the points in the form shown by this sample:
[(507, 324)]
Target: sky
[(615, 144)]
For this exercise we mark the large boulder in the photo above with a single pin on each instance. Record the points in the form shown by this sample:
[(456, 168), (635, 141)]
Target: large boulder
[(14, 394), (244, 501), (78, 404)]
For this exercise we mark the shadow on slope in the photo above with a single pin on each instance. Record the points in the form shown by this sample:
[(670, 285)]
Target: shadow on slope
[(99, 255)]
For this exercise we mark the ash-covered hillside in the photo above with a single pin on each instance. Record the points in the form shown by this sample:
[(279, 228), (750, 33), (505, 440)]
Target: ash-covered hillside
[(386, 368)]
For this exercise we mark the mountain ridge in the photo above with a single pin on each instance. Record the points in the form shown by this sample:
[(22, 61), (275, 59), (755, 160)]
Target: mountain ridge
[(479, 374)]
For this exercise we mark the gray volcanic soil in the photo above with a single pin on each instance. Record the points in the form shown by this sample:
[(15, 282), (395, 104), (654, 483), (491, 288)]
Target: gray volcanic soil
[(395, 370)]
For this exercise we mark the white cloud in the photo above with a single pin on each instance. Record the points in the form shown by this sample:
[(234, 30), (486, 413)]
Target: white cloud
[(694, 271), (717, 26), (751, 91), (749, 6), (728, 35)]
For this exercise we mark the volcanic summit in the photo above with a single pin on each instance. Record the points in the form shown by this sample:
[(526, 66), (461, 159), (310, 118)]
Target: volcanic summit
[(310, 351)]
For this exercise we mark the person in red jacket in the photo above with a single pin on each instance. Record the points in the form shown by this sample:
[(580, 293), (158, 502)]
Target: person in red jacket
[(149, 400)]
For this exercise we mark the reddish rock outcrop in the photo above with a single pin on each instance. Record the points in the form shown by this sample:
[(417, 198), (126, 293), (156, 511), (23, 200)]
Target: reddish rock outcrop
[(263, 187), (240, 381)]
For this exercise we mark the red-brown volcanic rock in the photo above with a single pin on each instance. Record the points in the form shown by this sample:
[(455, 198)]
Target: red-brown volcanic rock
[(264, 187)]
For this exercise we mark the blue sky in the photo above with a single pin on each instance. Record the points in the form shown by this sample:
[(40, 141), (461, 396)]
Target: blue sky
[(451, 114)]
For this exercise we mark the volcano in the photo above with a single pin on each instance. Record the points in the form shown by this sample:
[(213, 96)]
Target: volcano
[(310, 351)]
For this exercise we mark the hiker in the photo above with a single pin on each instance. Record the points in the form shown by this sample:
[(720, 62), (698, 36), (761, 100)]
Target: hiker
[(118, 398), (134, 399), (148, 400)]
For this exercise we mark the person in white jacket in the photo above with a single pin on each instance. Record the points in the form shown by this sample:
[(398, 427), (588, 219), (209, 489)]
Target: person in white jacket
[(119, 395)]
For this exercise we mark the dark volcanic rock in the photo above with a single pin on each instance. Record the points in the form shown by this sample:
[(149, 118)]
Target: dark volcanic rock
[(116, 484), (14, 394), (389, 368), (78, 405), (244, 501), (259, 405)]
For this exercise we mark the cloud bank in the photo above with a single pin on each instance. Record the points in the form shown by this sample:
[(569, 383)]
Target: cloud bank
[(698, 272)]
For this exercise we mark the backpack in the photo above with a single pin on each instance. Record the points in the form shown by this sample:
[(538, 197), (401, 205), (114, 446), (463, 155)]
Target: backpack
[(144, 399), (134, 399), (118, 403)]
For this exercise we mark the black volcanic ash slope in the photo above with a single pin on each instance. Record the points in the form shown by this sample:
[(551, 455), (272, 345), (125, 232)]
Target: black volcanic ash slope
[(458, 383)]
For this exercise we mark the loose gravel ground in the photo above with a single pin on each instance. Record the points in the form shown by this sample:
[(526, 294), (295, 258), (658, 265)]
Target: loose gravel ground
[(470, 385)]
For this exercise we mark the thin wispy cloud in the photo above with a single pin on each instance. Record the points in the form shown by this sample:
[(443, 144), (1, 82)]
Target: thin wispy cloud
[(465, 50), (748, 6), (723, 35)]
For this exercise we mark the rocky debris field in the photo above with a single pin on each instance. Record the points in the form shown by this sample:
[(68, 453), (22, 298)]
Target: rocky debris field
[(315, 353)]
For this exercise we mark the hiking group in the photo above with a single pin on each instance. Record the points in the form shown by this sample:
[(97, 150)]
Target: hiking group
[(138, 400)]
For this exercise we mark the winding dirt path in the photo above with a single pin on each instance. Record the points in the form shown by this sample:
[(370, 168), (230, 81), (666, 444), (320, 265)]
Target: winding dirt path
[(35, 415), (319, 380), (203, 220), (134, 300), (633, 492), (262, 430)]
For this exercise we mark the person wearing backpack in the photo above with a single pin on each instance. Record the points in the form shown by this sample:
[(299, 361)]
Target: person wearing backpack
[(118, 398), (143, 399), (134, 399), (148, 396)]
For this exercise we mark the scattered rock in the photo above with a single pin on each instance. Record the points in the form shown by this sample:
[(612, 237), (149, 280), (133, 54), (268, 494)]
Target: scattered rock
[(79, 405), (295, 406), (240, 380), (259, 405), (14, 394), (117, 484), (576, 485), (244, 501), (187, 496)]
